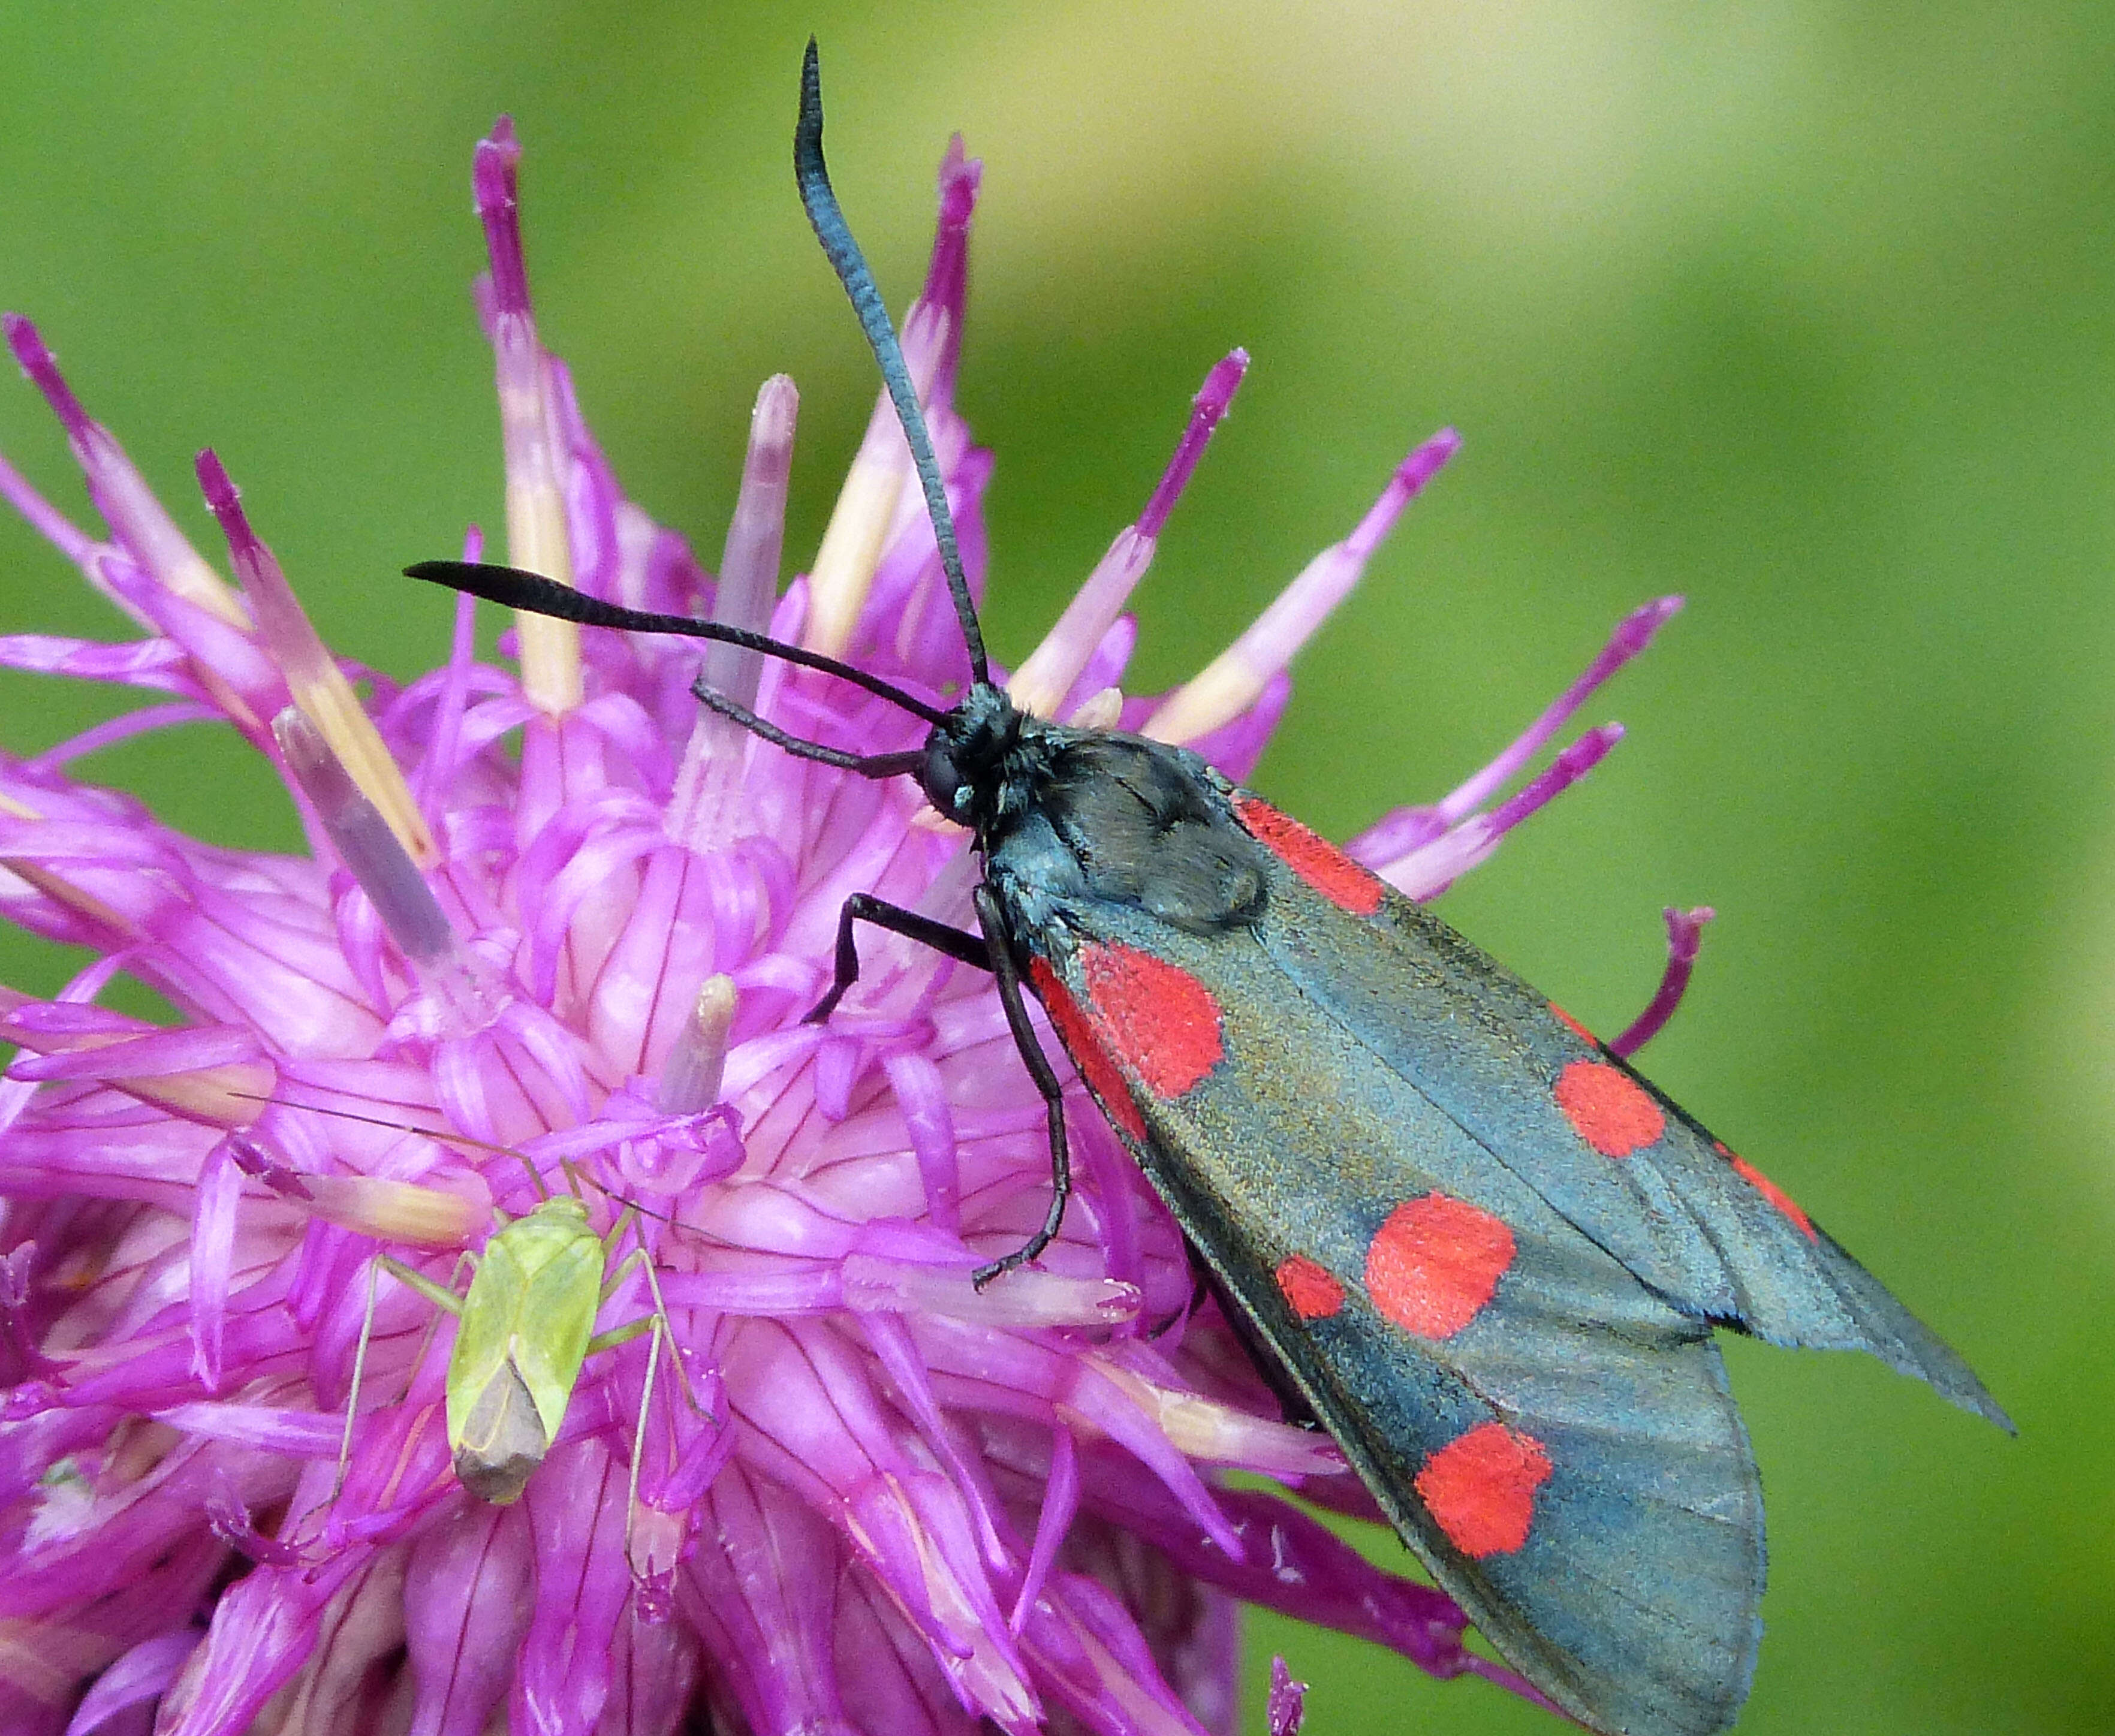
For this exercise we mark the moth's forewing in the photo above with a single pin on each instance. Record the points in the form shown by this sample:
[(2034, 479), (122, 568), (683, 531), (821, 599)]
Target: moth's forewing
[(1426, 1188), (1614, 1544), (1682, 1211)]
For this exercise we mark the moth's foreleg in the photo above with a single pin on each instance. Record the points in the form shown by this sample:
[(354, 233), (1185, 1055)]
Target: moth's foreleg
[(1008, 974), (862, 907)]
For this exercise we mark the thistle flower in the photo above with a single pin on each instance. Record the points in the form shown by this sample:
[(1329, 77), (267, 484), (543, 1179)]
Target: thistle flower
[(553, 912)]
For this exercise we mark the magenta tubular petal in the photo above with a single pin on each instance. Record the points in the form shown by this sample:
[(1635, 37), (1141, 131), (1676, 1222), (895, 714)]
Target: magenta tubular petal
[(1428, 869), (262, 1629), (1288, 1700), (45, 518), (495, 186), (1088, 1650), (1048, 675), (930, 1124), (35, 359), (143, 529), (140, 1675), (1233, 680), (943, 300), (152, 662), (1211, 403), (1633, 634), (213, 1251), (749, 564), (576, 1509), (1061, 1502), (1685, 934), (280, 621), (143, 721)]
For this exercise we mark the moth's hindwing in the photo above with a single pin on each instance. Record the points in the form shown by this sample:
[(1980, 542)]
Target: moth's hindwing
[(1488, 1255)]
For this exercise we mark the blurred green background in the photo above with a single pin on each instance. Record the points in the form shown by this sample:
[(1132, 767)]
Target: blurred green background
[(1807, 311)]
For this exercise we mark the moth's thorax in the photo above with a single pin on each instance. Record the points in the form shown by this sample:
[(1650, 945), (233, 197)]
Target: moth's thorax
[(1100, 815)]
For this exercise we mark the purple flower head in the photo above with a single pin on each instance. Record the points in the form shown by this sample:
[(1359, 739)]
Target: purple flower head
[(555, 927)]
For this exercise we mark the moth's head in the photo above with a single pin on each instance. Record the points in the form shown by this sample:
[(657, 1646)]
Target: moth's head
[(963, 774)]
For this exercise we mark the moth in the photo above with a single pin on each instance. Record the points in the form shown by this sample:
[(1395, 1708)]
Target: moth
[(1486, 1255)]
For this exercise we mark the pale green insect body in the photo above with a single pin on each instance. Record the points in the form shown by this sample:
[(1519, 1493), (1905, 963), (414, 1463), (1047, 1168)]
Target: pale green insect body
[(525, 1327), (523, 1330)]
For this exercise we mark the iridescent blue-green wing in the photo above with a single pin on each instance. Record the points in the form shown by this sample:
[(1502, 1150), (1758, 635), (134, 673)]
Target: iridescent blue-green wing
[(1615, 1157), (1556, 1441)]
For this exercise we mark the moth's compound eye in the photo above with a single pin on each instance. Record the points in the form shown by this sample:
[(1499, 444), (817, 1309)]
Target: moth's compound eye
[(941, 780)]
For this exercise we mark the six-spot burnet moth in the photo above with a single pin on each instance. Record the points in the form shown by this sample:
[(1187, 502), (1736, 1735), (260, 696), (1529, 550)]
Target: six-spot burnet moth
[(1488, 1256)]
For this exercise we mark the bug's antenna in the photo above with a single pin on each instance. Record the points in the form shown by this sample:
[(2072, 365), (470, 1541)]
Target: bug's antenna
[(448, 1136), (831, 230)]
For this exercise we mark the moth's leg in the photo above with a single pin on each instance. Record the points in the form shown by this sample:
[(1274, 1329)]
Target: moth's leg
[(862, 907), (1008, 976)]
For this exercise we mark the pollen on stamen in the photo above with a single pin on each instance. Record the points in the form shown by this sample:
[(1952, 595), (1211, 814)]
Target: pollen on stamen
[(1207, 1430), (1235, 679), (319, 686), (1039, 686), (1098, 711), (537, 538), (402, 1212)]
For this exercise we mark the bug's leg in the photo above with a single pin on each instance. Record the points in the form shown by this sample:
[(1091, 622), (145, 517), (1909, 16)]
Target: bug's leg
[(359, 1371), (630, 1328), (862, 907), (455, 1277), (446, 1298), (622, 1270), (639, 1437), (668, 1332), (1008, 974), (425, 1286)]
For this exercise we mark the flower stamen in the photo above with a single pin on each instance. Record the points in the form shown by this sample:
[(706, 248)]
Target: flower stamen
[(1043, 680), (537, 539), (1235, 679), (318, 685)]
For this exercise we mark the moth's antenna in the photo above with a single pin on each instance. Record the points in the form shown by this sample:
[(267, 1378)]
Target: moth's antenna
[(831, 230), (514, 589)]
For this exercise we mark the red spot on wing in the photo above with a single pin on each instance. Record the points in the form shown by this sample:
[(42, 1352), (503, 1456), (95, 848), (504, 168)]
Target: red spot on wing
[(1435, 1263), (1480, 1487), (1312, 857), (1769, 1189), (1157, 1020), (1313, 1293), (1084, 1044), (1607, 1108), (1565, 1018)]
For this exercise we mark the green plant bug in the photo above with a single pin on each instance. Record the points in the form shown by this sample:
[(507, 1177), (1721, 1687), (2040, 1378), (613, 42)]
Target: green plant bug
[(525, 1327)]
